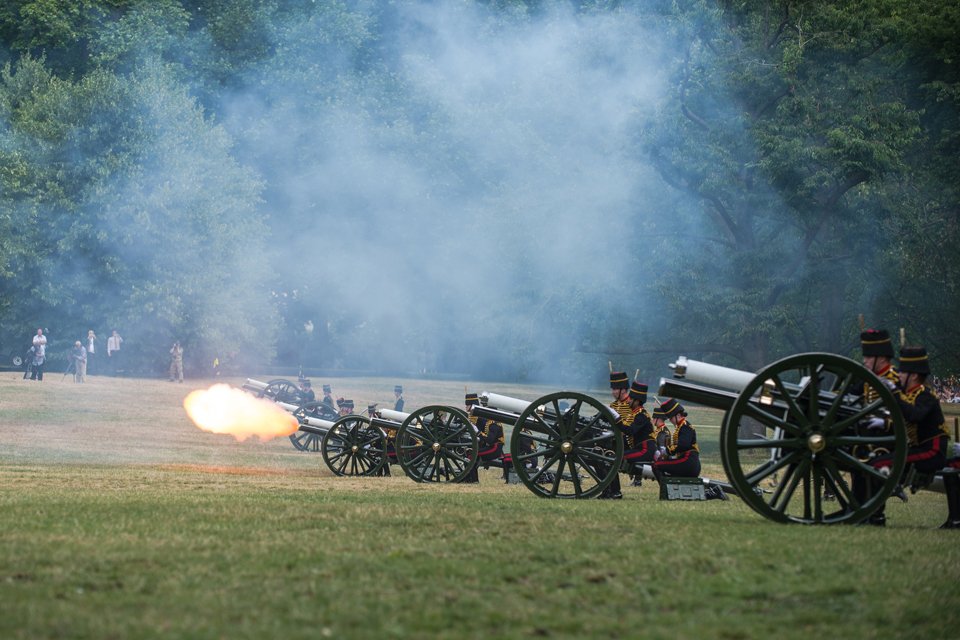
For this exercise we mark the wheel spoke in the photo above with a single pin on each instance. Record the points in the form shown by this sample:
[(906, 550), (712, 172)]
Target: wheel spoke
[(589, 469), (545, 427), (813, 392), (768, 468), (576, 438), (798, 473), (781, 487), (838, 401), (855, 465), (596, 456), (453, 435), (769, 420), (856, 417), (817, 493), (535, 454), (841, 441), (540, 439), (544, 468), (603, 437), (791, 405), (557, 477), (839, 486), (770, 443), (577, 490)]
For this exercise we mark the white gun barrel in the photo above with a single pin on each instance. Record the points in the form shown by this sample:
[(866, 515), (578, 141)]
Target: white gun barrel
[(394, 416), (711, 374), (505, 403)]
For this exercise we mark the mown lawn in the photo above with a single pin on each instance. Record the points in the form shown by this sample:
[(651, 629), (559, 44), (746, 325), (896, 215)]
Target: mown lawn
[(122, 520)]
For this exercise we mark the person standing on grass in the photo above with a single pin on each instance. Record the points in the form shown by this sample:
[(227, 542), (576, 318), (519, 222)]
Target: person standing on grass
[(327, 395), (37, 355), (176, 361), (113, 351), (398, 393), (92, 351), (79, 358), (308, 394)]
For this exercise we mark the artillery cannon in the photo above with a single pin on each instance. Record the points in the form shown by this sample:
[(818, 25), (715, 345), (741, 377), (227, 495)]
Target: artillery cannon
[(805, 416), (575, 436), (348, 444), (285, 392)]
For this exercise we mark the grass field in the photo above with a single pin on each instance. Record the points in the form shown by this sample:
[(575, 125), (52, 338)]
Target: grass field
[(120, 519)]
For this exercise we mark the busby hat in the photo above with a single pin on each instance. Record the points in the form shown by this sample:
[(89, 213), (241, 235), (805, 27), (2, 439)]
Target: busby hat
[(306, 383), (876, 343), (671, 407), (371, 409), (658, 413), (619, 380), (638, 391), (914, 360), (398, 389), (471, 398), (326, 388), (340, 402), (348, 404)]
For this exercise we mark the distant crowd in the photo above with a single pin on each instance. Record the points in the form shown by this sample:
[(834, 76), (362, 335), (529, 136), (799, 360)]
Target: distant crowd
[(83, 357), (947, 389)]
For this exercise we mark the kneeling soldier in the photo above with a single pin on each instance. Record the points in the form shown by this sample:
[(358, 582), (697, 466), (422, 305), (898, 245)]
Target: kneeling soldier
[(927, 431), (683, 449)]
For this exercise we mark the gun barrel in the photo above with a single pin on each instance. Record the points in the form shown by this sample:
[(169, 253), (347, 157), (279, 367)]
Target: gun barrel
[(394, 416), (385, 424), (505, 403), (254, 385), (497, 416), (689, 392), (710, 374)]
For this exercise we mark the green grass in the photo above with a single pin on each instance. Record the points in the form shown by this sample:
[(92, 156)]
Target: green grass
[(122, 520)]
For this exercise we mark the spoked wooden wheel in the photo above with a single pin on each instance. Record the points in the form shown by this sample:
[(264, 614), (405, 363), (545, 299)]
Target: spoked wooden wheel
[(281, 390), (437, 444), (812, 433), (577, 441), (352, 447), (311, 442)]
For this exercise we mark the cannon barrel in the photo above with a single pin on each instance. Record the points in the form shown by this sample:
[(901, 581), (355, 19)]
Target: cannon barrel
[(393, 416), (254, 385), (504, 403)]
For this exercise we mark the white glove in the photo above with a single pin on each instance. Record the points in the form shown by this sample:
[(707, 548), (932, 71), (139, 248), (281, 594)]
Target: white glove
[(889, 384), (657, 455), (874, 423), (956, 449)]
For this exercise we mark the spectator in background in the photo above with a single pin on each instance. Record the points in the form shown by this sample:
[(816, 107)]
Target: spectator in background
[(37, 354), (113, 351), (79, 358), (92, 350), (40, 339), (176, 361)]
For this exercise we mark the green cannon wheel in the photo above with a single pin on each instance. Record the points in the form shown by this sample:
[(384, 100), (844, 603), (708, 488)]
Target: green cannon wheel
[(578, 445), (280, 390), (311, 442), (437, 444), (351, 447), (817, 440)]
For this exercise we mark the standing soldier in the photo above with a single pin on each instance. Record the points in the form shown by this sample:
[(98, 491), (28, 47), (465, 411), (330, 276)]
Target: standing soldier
[(490, 437), (176, 361), (398, 393), (327, 395), (927, 431)]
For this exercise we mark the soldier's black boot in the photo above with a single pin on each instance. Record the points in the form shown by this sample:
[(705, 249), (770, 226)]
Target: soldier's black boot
[(612, 492), (716, 493)]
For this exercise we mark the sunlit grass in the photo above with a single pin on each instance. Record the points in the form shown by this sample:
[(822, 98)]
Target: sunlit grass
[(122, 520)]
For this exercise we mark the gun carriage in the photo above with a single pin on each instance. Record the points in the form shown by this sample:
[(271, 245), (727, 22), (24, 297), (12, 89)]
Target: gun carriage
[(348, 444), (578, 446), (810, 417)]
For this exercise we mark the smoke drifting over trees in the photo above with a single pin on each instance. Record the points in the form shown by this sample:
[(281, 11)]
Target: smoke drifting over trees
[(516, 190)]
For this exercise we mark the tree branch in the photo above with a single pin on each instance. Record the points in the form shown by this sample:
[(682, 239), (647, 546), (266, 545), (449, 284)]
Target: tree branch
[(720, 241), (772, 101)]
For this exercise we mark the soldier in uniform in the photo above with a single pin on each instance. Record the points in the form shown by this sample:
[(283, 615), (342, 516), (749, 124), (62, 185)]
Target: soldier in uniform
[(620, 388), (308, 394), (641, 444), (927, 431), (877, 357), (951, 484), (684, 453), (490, 437), (327, 395), (398, 393), (391, 435)]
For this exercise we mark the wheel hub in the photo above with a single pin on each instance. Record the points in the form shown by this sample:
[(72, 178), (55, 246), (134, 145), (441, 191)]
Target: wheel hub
[(566, 447), (436, 446), (354, 448), (816, 443)]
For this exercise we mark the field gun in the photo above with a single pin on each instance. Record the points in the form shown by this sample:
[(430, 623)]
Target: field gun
[(349, 446), (574, 435), (807, 416)]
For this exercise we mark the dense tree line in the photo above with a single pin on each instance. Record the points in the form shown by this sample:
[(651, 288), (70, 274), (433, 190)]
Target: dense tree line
[(367, 184)]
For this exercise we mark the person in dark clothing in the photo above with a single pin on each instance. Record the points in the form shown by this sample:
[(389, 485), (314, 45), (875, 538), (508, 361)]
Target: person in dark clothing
[(684, 453), (327, 395), (398, 392), (308, 394)]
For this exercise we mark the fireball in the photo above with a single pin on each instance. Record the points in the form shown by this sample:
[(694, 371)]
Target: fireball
[(223, 409)]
